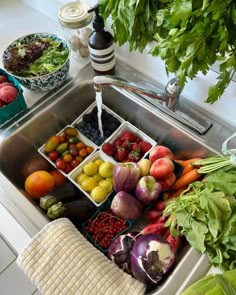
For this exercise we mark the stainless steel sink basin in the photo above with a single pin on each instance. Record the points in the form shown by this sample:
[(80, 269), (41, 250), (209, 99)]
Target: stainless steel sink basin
[(19, 140)]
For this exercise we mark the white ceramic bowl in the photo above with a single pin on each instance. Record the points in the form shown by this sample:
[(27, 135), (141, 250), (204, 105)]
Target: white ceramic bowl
[(44, 82)]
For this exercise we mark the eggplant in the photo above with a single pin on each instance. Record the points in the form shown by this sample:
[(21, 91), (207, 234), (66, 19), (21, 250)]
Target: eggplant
[(58, 194), (81, 209), (126, 206)]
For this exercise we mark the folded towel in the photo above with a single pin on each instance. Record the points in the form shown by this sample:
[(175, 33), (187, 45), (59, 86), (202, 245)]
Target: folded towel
[(59, 260)]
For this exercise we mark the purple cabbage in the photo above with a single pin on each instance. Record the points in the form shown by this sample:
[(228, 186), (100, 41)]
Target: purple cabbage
[(151, 258), (119, 250), (125, 176)]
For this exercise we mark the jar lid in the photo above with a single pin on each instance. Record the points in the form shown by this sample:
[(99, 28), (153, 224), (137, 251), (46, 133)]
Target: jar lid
[(74, 15)]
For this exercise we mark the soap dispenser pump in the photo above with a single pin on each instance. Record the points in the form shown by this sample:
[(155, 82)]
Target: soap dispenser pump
[(101, 46)]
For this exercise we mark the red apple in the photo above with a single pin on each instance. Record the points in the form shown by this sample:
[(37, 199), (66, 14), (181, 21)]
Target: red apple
[(160, 151), (162, 168), (8, 94), (6, 84), (167, 182)]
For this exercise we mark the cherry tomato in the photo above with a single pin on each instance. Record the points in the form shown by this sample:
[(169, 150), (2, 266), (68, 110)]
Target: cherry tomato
[(53, 155), (60, 164), (80, 145), (74, 163), (83, 152), (89, 149), (67, 158), (68, 168)]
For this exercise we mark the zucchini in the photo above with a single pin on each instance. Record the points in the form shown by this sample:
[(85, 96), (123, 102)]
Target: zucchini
[(58, 194), (81, 209)]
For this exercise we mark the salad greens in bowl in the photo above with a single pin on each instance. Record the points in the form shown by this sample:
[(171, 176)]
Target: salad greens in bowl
[(39, 61)]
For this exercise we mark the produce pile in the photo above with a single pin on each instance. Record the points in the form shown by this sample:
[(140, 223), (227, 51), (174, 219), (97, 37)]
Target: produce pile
[(89, 125), (172, 200), (66, 149)]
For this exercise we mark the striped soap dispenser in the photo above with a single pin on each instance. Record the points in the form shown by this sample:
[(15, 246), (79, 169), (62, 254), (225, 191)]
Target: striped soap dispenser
[(101, 46)]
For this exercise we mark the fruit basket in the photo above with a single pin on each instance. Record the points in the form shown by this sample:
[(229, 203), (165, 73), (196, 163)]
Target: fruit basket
[(89, 175), (128, 144), (8, 111), (66, 152), (87, 123), (104, 226)]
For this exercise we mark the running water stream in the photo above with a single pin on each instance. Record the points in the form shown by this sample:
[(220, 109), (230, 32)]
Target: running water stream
[(99, 107)]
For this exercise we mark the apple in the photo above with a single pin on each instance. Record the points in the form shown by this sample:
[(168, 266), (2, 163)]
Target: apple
[(161, 168), (144, 166), (3, 79), (106, 169), (6, 84), (160, 151), (167, 182)]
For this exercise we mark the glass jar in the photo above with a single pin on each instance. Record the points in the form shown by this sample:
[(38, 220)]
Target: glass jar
[(75, 21)]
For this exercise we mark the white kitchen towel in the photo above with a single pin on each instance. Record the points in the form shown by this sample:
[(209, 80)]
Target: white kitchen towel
[(59, 260)]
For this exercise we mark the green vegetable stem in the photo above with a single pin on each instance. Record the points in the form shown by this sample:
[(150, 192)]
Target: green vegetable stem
[(211, 164), (190, 35)]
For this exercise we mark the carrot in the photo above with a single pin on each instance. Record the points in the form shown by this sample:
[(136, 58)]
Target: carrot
[(185, 163), (186, 179), (186, 169)]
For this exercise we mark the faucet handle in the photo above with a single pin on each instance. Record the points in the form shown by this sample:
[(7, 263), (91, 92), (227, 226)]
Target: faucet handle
[(173, 88)]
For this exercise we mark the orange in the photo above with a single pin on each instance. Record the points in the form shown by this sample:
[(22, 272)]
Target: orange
[(38, 184), (58, 177)]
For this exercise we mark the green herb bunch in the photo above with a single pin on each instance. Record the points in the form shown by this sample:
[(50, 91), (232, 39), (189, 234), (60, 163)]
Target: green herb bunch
[(190, 35), (205, 214)]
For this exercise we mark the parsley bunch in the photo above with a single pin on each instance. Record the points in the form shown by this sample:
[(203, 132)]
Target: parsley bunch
[(190, 35)]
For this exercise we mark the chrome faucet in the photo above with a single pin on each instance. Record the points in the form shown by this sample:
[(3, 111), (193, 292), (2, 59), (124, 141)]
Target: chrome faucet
[(170, 96)]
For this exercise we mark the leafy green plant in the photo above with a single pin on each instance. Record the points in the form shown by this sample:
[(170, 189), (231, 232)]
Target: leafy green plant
[(190, 35)]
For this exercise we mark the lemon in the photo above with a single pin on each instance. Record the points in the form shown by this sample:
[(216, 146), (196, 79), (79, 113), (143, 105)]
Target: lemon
[(106, 183), (89, 184), (90, 169), (97, 177), (106, 169), (98, 194), (98, 162), (81, 177)]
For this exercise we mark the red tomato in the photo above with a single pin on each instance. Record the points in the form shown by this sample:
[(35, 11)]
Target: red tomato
[(60, 164), (53, 155)]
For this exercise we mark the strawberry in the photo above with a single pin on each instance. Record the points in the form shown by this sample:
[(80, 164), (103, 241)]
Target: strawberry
[(145, 146), (128, 135), (134, 156), (121, 154), (136, 147), (118, 142), (108, 149), (126, 145)]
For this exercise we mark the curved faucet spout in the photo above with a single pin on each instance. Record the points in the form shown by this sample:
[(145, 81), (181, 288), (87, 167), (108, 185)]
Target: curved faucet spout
[(170, 96)]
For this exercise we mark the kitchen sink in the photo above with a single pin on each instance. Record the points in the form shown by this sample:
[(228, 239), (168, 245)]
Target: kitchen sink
[(21, 139)]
